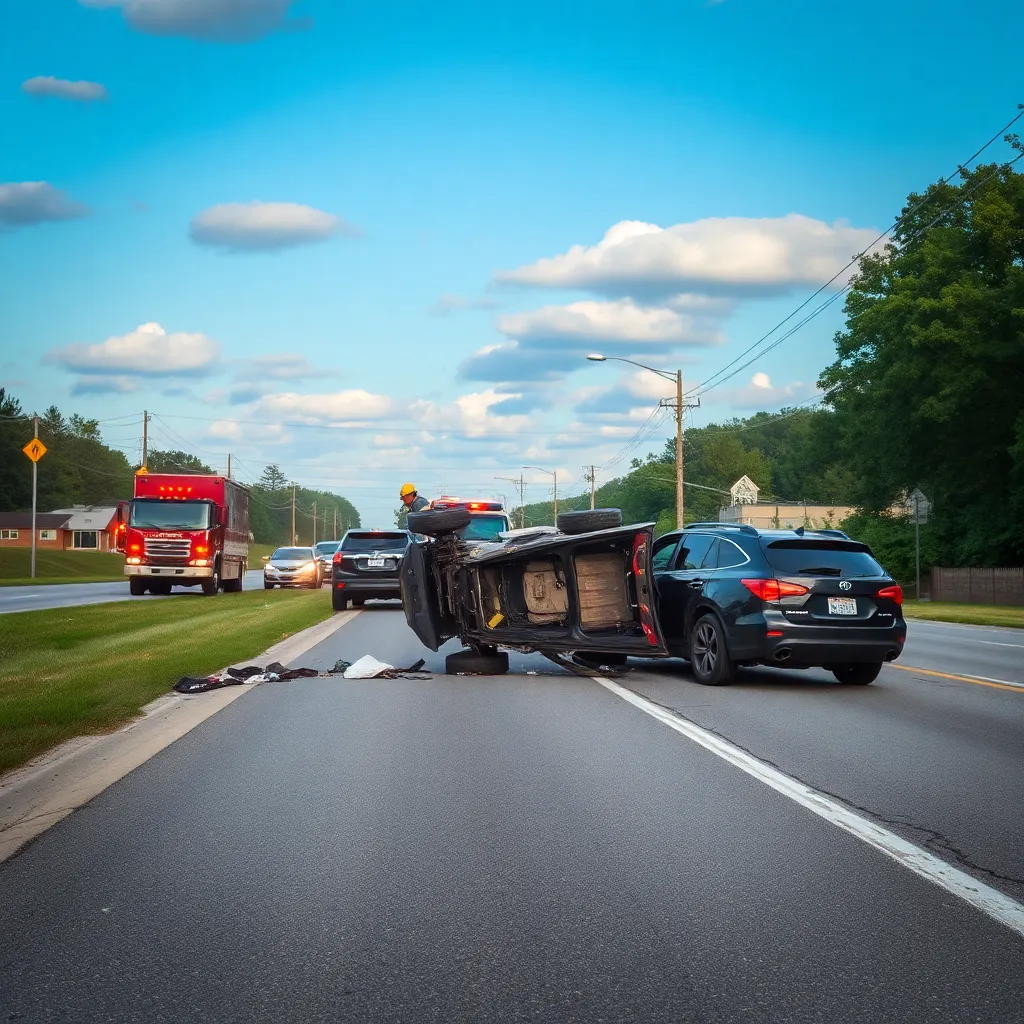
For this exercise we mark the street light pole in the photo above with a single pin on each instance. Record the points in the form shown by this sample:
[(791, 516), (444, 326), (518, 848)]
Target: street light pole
[(680, 407)]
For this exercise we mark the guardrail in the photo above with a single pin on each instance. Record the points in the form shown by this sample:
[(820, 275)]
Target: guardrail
[(978, 586)]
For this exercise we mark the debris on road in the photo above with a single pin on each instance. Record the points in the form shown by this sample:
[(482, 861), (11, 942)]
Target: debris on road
[(368, 667), (198, 684)]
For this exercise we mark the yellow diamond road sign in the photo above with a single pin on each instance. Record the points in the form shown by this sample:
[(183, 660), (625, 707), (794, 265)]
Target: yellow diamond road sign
[(35, 450)]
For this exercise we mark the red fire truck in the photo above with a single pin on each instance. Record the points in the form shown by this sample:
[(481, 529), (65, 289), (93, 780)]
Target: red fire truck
[(184, 530)]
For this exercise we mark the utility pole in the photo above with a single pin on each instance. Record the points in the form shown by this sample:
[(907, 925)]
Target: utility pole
[(145, 440), (35, 478), (590, 476), (293, 515), (314, 523), (679, 449), (335, 522), (229, 465), (520, 482), (554, 476)]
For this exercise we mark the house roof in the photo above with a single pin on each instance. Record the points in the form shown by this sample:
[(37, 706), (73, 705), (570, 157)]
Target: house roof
[(23, 520), (87, 517)]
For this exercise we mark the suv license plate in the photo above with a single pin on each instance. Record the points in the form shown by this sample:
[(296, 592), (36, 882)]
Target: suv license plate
[(375, 563), (842, 606)]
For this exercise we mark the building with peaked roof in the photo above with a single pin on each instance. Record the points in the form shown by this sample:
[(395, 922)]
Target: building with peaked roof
[(80, 528)]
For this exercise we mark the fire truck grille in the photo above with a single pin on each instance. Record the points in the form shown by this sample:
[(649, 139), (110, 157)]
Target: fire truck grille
[(168, 550)]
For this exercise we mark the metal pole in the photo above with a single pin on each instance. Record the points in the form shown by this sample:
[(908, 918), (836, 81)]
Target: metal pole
[(35, 479), (679, 449), (229, 465), (145, 440)]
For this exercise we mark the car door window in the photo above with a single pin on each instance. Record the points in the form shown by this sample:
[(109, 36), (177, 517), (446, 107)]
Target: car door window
[(664, 549), (711, 558), (695, 548)]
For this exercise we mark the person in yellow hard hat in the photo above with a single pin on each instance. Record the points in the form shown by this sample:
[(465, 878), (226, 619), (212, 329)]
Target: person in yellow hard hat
[(411, 500)]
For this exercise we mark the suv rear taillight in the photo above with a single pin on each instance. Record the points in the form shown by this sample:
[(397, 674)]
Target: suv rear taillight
[(893, 593), (773, 590), (337, 558)]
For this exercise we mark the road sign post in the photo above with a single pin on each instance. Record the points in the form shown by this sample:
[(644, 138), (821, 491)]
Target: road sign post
[(35, 450)]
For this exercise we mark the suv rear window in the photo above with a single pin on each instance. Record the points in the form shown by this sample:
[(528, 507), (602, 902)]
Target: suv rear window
[(822, 558), (365, 543)]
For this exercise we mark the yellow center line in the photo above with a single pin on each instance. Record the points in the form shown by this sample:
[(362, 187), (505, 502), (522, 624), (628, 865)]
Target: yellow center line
[(962, 679)]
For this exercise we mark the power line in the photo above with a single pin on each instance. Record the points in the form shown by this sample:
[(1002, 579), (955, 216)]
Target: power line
[(707, 385)]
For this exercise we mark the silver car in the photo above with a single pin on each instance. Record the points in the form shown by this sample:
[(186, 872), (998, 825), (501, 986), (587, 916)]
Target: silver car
[(292, 567), (324, 551)]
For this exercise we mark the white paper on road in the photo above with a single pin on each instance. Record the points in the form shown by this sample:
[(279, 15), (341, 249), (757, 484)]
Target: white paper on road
[(367, 667)]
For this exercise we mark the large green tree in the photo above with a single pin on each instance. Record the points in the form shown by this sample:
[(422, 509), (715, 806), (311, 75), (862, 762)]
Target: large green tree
[(928, 385)]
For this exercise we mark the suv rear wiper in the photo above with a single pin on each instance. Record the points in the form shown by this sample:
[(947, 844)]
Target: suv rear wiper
[(822, 570)]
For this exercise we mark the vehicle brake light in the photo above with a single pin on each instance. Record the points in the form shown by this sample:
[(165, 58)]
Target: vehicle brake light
[(773, 590), (893, 593), (774, 632), (337, 558), (639, 562)]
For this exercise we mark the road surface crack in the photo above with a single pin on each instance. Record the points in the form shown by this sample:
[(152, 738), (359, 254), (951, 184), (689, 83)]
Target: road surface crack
[(931, 839)]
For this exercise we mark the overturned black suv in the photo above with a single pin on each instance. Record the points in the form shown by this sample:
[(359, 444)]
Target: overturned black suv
[(583, 588)]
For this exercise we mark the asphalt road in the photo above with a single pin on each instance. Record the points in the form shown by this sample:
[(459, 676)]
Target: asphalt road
[(70, 595), (532, 848)]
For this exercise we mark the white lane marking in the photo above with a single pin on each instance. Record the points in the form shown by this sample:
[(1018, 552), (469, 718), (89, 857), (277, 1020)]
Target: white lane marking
[(982, 897)]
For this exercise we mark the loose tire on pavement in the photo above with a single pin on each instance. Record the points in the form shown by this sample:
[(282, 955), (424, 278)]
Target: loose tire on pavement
[(858, 673), (470, 663), (588, 520), (709, 656), (136, 586), (435, 522)]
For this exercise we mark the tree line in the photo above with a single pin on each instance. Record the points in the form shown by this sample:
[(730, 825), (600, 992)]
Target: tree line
[(926, 391), (80, 469)]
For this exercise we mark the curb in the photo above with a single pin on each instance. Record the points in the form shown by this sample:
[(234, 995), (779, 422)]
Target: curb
[(48, 788)]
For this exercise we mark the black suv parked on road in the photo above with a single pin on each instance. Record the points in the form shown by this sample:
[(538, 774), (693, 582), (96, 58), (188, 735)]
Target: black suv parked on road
[(730, 594), (367, 565)]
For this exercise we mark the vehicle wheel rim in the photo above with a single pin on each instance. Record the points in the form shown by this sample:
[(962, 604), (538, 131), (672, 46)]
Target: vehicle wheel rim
[(705, 649)]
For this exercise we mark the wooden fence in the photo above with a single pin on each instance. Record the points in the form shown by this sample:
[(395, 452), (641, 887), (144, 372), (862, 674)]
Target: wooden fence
[(978, 586)]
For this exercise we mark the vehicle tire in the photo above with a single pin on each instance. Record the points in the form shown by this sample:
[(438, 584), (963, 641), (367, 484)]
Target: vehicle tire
[(339, 602), (435, 522), (587, 520), (136, 586), (470, 663), (212, 585), (857, 673), (268, 586), (709, 654), (162, 587), (595, 659)]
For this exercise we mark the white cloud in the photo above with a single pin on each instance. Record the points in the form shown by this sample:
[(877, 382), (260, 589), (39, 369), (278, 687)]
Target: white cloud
[(618, 322), (453, 303), (760, 394), (471, 415), (148, 351), (32, 202), (249, 433), (717, 254), (352, 406), (222, 21), (262, 227), (105, 385), (61, 88)]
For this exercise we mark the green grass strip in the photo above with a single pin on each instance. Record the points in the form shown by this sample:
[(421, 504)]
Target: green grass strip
[(68, 672), (971, 614)]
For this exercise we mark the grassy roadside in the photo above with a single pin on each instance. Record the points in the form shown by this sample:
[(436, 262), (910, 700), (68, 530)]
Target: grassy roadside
[(971, 614), (59, 567), (69, 672)]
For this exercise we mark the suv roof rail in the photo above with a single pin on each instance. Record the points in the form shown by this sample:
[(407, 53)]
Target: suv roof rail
[(744, 527)]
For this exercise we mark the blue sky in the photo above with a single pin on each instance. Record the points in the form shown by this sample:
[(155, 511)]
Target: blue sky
[(365, 241)]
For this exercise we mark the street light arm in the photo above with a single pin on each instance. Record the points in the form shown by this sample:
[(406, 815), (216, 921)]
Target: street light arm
[(668, 375)]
